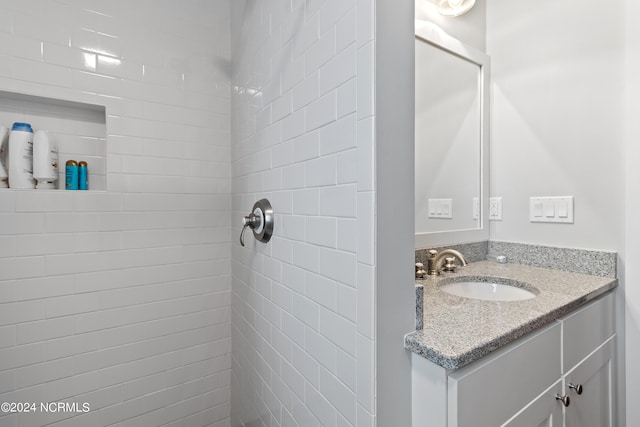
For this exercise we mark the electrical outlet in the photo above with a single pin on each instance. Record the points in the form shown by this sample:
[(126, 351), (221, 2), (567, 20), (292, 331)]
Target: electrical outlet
[(495, 209), (475, 214)]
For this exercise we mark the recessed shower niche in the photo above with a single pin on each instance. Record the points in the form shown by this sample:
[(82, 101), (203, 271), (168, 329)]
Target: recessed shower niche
[(78, 128)]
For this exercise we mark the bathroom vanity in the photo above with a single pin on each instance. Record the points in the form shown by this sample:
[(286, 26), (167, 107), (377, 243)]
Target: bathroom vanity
[(542, 361)]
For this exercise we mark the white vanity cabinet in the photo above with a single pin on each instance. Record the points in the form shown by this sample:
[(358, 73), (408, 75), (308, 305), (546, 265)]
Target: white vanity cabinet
[(521, 384)]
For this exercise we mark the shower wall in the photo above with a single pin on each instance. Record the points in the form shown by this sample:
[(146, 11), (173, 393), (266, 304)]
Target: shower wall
[(303, 136), (121, 298)]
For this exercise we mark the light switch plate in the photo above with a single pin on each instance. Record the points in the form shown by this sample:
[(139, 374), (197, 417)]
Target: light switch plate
[(441, 208), (551, 209)]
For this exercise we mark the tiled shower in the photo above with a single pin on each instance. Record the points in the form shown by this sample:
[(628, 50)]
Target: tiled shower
[(135, 296)]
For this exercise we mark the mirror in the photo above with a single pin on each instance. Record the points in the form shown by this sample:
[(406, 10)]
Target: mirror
[(451, 140)]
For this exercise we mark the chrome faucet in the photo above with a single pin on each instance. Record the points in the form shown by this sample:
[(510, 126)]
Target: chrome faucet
[(435, 260)]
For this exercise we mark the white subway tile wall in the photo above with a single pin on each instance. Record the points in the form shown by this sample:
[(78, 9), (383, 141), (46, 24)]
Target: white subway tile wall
[(122, 298), (303, 306)]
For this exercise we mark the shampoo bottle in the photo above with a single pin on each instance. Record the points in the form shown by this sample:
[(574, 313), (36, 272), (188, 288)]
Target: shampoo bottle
[(45, 160), (4, 177), (21, 156)]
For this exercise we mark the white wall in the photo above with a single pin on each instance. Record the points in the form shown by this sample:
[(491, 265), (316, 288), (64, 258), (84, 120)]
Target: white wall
[(122, 298), (557, 118), (632, 186), (303, 136)]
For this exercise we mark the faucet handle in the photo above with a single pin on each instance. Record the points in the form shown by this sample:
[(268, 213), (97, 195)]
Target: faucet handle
[(450, 264), (420, 271)]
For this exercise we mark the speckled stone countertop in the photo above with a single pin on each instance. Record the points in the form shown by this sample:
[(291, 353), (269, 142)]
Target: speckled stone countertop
[(457, 331)]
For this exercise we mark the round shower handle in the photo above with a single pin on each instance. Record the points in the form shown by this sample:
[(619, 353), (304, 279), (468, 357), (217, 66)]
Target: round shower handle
[(260, 221)]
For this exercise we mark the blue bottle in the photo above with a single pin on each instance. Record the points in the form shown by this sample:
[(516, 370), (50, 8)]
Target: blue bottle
[(71, 173), (83, 177)]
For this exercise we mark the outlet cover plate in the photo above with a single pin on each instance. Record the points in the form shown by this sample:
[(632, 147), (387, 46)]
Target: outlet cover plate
[(495, 209)]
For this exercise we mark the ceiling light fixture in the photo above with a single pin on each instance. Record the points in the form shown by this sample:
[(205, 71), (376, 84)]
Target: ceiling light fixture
[(455, 7)]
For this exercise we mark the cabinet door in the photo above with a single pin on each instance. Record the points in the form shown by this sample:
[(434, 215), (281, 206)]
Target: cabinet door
[(594, 406), (489, 392), (544, 411)]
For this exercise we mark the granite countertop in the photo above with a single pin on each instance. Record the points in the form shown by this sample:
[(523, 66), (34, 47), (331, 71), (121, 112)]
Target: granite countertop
[(457, 331)]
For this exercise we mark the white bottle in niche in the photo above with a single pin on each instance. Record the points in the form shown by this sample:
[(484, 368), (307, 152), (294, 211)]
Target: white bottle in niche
[(4, 177), (45, 160), (21, 156)]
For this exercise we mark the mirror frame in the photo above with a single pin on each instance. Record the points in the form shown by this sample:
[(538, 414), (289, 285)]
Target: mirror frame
[(435, 36)]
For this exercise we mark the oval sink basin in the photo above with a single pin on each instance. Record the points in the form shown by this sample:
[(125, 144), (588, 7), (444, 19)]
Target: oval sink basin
[(490, 290)]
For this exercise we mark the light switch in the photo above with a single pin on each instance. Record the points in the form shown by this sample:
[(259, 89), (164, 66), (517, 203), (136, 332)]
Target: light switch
[(563, 211), (537, 209), (551, 209)]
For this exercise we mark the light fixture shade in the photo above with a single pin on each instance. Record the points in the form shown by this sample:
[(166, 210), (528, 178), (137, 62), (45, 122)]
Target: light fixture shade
[(454, 7)]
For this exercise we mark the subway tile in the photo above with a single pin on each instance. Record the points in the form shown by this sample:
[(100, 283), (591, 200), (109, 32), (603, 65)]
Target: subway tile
[(7, 339), (69, 57), (365, 21), (7, 381), (321, 52), (303, 416), (22, 267), (340, 201), (306, 256), (306, 310), (24, 355), (346, 30), (321, 231), (348, 98), (306, 91), (44, 372), (306, 146), (321, 290), (366, 301), (366, 154), (347, 235), (320, 406), (44, 287), (44, 244), (321, 111), (308, 202), (42, 73), (366, 373), (338, 70), (339, 136), (20, 47), (321, 349), (43, 330), (22, 223), (338, 394), (294, 125), (366, 227), (348, 302), (306, 35), (366, 80), (8, 291), (332, 12), (282, 154), (338, 265), (339, 330), (71, 304), (321, 172)]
